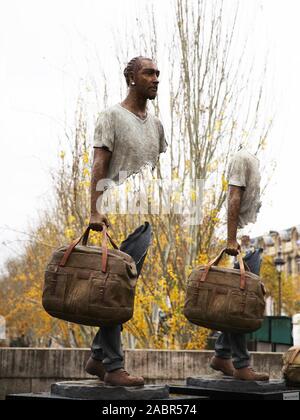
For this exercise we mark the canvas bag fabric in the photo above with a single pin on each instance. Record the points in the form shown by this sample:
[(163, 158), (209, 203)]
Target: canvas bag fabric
[(224, 299), (89, 285), (291, 365)]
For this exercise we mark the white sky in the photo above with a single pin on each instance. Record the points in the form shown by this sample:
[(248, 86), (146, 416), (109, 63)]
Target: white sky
[(43, 51)]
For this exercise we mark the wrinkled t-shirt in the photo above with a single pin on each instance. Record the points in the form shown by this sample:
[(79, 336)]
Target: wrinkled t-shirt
[(244, 172), (134, 142)]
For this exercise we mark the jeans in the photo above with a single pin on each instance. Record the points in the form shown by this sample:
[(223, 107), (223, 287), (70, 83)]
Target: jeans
[(107, 344), (235, 345)]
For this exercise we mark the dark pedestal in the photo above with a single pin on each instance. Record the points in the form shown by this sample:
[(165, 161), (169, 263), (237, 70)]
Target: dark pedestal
[(230, 389), (47, 396), (95, 390)]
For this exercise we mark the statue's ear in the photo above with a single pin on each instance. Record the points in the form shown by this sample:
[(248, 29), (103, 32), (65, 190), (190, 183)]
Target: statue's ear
[(131, 79)]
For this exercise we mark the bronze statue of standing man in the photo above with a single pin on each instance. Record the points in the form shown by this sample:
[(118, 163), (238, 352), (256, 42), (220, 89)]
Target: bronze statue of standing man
[(127, 137)]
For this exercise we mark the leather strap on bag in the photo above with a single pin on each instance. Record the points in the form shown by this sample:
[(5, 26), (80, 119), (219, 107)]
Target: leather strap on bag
[(84, 239), (105, 249), (216, 262), (69, 251)]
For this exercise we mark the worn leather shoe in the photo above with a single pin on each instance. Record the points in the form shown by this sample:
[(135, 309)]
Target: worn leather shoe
[(120, 377), (222, 365), (249, 374), (95, 368)]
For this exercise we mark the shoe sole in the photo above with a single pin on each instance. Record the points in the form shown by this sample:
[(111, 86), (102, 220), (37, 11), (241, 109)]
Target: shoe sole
[(252, 380)]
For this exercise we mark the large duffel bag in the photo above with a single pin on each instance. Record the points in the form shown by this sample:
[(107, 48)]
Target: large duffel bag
[(225, 299), (291, 366), (90, 285)]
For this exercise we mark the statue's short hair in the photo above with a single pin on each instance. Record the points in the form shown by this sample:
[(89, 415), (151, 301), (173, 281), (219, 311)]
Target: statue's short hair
[(133, 66)]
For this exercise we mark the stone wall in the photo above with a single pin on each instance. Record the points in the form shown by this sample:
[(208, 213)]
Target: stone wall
[(34, 370)]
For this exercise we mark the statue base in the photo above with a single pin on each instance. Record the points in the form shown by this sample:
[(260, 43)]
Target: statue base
[(97, 390)]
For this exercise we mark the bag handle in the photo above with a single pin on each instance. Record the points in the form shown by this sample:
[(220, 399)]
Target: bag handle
[(86, 234), (216, 262), (84, 239)]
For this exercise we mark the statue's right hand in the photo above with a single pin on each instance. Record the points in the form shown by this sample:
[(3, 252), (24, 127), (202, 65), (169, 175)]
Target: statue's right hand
[(233, 247), (97, 221)]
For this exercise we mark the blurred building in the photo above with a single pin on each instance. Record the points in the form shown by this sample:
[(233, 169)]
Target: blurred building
[(288, 242)]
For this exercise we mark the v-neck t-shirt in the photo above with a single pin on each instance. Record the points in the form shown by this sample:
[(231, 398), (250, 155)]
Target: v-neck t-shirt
[(134, 142), (244, 172)]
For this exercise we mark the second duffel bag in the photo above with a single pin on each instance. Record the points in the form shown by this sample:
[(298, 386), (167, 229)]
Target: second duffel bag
[(225, 299)]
